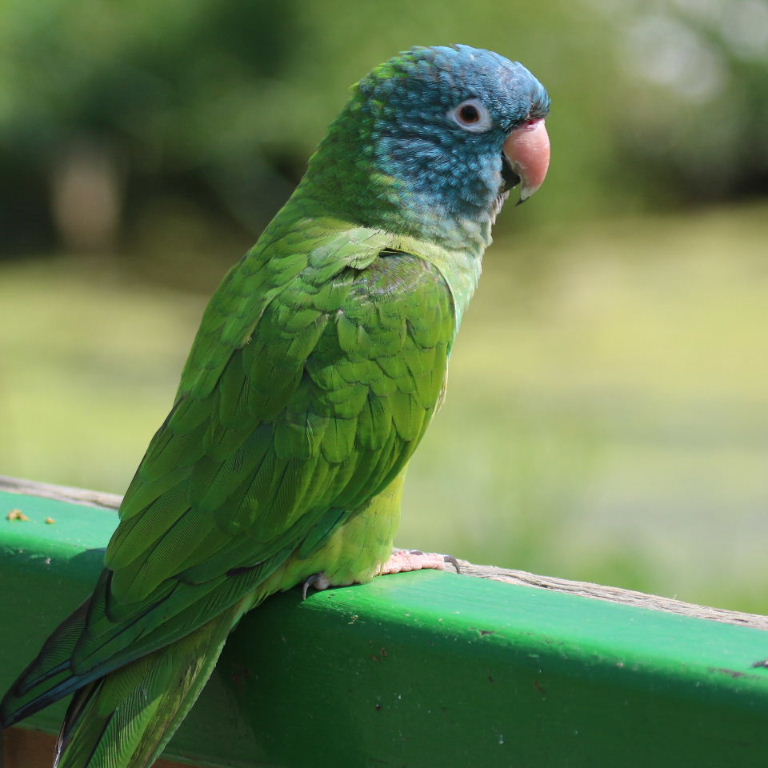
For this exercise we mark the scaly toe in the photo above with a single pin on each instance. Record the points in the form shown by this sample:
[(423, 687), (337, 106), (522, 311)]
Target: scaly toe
[(404, 560)]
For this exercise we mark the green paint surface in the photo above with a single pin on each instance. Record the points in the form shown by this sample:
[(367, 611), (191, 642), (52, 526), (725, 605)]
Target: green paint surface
[(420, 670)]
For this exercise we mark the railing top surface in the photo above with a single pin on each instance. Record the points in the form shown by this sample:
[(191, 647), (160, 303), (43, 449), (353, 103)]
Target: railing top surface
[(111, 501)]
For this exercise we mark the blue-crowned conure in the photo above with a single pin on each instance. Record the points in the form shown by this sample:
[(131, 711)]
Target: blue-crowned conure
[(318, 365)]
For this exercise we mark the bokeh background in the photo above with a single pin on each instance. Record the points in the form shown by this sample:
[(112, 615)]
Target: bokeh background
[(607, 413)]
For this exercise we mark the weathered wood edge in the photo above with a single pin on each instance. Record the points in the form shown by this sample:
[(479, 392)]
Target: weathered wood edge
[(510, 576), (616, 595), (60, 492)]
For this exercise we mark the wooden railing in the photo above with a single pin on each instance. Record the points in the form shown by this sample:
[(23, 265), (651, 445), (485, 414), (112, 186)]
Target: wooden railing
[(420, 670)]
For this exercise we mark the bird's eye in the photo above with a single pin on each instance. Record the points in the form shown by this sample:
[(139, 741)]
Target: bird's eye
[(472, 115)]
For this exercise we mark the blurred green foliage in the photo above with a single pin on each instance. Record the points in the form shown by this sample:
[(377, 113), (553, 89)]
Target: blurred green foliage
[(220, 101), (607, 399)]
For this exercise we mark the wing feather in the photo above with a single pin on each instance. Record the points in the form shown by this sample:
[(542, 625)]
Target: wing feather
[(316, 370)]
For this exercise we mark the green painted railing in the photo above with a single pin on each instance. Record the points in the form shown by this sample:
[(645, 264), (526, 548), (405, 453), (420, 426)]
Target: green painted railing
[(423, 670)]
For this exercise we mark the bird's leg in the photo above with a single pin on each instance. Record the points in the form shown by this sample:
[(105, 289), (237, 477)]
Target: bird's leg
[(404, 560)]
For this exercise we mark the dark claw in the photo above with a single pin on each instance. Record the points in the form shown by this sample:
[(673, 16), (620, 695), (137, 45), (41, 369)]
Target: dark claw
[(317, 580), (446, 559)]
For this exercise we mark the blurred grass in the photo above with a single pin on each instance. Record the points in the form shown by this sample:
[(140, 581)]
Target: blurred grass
[(606, 417)]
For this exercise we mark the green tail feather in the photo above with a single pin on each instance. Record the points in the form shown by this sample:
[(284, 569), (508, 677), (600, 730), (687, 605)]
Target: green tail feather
[(49, 677), (125, 719)]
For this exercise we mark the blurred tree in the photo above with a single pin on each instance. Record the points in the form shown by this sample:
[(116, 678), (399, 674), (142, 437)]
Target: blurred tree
[(219, 102), (695, 116), (110, 98)]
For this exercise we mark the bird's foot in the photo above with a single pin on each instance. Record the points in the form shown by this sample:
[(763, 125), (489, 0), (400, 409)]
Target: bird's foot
[(400, 561), (316, 581), (404, 560)]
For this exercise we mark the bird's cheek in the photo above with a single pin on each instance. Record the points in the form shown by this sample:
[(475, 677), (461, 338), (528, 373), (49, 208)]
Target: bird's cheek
[(527, 150)]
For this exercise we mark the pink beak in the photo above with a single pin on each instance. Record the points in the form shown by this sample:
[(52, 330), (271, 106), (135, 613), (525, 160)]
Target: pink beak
[(527, 150)]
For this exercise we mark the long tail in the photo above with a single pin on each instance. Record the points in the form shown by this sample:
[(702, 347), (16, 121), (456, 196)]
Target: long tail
[(125, 719)]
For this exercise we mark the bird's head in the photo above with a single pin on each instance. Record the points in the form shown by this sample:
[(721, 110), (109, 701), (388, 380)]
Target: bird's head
[(433, 140)]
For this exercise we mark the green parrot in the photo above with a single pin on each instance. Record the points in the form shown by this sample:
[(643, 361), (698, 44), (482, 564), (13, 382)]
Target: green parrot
[(317, 367)]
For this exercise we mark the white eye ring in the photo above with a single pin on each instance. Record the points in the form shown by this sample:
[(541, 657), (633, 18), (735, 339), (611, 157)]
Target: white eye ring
[(472, 115)]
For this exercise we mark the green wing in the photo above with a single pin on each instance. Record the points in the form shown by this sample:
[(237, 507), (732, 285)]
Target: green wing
[(317, 367)]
